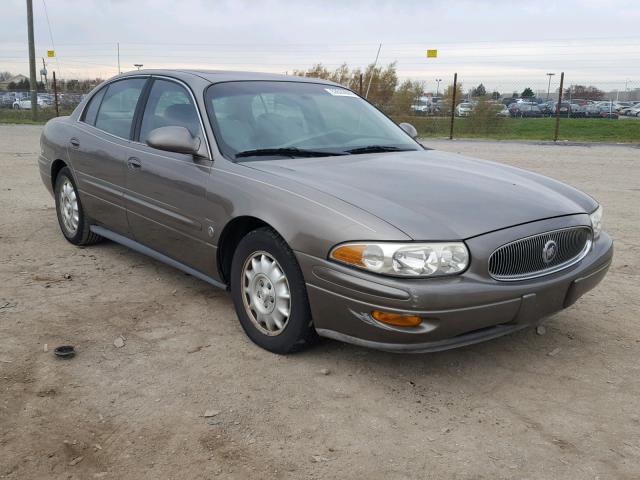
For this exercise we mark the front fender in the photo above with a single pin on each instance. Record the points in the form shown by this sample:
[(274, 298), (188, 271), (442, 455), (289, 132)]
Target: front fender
[(310, 221)]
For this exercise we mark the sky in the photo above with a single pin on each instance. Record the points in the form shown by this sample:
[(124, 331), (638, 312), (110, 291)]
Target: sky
[(506, 45)]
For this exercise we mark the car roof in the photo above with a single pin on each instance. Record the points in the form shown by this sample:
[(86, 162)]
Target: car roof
[(217, 76)]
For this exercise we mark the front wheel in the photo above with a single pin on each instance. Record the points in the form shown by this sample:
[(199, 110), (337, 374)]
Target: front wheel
[(269, 293)]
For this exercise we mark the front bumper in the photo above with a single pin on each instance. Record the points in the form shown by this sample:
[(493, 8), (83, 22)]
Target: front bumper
[(457, 311)]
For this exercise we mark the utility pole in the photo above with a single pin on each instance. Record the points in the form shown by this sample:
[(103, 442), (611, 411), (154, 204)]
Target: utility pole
[(33, 83), (119, 72), (549, 86), (373, 70)]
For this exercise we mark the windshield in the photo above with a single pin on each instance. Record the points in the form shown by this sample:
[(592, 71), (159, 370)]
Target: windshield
[(291, 119)]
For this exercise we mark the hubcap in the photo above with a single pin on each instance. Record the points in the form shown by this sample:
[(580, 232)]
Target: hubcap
[(69, 207), (266, 293)]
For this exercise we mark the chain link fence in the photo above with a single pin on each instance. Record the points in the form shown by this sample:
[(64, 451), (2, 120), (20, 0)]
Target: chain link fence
[(558, 110), (54, 99)]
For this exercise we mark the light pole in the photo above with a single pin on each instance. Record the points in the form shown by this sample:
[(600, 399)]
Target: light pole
[(139, 65), (438, 80), (549, 86)]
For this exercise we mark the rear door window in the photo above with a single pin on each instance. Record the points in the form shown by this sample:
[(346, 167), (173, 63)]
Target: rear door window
[(118, 107)]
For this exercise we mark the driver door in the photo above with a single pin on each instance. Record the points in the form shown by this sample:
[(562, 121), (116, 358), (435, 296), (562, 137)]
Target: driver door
[(165, 191)]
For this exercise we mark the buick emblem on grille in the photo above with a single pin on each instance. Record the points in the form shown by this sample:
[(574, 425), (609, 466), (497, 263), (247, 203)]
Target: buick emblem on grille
[(549, 251)]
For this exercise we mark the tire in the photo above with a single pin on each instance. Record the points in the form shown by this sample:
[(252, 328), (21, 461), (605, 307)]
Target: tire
[(260, 298), (73, 222)]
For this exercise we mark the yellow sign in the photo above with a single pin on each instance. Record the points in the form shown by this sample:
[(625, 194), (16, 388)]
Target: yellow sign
[(432, 53), (51, 53)]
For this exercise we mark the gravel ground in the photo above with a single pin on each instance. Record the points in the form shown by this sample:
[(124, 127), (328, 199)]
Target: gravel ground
[(561, 405)]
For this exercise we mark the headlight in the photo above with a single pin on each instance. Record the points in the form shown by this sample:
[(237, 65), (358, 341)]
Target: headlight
[(404, 259), (596, 222)]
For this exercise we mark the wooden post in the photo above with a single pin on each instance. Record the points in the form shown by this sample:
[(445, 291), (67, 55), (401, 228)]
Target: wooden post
[(360, 92), (453, 104), (555, 136), (55, 94)]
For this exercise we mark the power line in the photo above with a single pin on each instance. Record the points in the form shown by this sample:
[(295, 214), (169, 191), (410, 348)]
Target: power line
[(53, 45)]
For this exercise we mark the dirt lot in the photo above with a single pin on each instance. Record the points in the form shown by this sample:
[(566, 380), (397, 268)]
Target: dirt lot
[(565, 405)]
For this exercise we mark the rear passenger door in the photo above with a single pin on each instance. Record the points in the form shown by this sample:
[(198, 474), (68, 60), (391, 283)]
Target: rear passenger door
[(166, 191), (97, 150)]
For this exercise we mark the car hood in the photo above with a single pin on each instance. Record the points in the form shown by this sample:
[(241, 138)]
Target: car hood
[(431, 195)]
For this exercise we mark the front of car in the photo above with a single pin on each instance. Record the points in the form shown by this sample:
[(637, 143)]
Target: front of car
[(464, 109), (475, 249)]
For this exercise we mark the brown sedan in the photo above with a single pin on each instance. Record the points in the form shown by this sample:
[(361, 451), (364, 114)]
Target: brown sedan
[(317, 212)]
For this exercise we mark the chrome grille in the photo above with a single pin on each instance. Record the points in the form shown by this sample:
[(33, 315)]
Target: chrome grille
[(532, 256)]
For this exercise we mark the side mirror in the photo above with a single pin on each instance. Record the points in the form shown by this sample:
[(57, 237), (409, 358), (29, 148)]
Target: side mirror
[(409, 129), (173, 139)]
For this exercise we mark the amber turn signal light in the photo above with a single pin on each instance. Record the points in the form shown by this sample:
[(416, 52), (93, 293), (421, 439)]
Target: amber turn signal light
[(396, 319), (351, 254)]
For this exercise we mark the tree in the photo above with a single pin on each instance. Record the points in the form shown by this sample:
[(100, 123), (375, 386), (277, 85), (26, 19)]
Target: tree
[(447, 98), (405, 96), (495, 95), (383, 84), (5, 76), (587, 93), (72, 85), (527, 93), (316, 71), (21, 86), (384, 80), (341, 75), (479, 91)]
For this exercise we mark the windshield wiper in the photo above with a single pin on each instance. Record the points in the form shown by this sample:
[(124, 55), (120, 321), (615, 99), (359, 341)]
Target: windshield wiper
[(378, 149), (289, 151)]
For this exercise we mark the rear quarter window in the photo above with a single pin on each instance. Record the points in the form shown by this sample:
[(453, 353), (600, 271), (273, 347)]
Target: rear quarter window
[(90, 113)]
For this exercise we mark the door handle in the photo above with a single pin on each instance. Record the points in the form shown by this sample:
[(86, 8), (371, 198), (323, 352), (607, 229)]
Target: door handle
[(134, 163), (75, 143)]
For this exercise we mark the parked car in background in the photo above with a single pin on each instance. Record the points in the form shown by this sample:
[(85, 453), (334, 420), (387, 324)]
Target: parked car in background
[(629, 111), (317, 213), (546, 108), (25, 104), (6, 100), (601, 110), (524, 110), (502, 111), (563, 108), (464, 109), (577, 110), (622, 105), (634, 111)]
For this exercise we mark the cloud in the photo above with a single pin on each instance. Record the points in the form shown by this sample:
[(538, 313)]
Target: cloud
[(481, 40)]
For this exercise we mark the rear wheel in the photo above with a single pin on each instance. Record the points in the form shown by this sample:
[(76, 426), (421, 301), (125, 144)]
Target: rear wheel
[(71, 218), (269, 293)]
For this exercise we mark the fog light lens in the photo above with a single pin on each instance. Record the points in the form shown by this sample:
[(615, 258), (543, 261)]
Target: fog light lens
[(396, 319)]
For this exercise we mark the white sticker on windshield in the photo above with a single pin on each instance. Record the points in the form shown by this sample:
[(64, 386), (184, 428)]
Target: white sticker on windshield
[(340, 92)]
